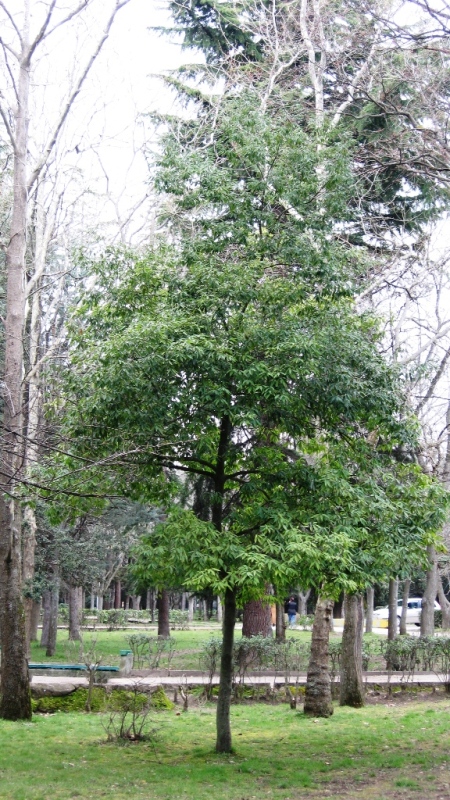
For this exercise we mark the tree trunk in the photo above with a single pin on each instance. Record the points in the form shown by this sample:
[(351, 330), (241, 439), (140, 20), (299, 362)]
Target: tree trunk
[(29, 547), (223, 742), (46, 602), (405, 598), (393, 610), (136, 602), (99, 602), (219, 610), (318, 701), (35, 618), (444, 604), (280, 623), (351, 687), (303, 597), (163, 614), (53, 621), (429, 597), (75, 612), (15, 702), (191, 603), (370, 594), (118, 595), (257, 619)]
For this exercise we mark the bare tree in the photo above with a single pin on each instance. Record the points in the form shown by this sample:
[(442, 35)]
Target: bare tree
[(19, 46)]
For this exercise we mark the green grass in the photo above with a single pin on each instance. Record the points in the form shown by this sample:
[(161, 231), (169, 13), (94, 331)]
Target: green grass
[(391, 751), (110, 643)]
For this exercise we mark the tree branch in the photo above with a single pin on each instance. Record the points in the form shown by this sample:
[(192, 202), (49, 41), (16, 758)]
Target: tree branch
[(37, 170)]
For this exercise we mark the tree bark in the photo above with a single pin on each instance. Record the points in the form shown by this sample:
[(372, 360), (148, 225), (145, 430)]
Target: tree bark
[(444, 604), (280, 623), (191, 603), (34, 621), (393, 609), (370, 593), (15, 702), (351, 687), (75, 611), (29, 547), (318, 702), (53, 620), (429, 597), (219, 610), (405, 598), (257, 619), (118, 595), (303, 597), (163, 614), (46, 602), (223, 741), (136, 602)]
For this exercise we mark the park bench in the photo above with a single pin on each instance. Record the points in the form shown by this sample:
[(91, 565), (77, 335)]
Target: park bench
[(102, 672)]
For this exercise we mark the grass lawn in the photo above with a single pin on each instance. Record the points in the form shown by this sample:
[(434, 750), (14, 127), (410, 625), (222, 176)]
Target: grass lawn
[(110, 643), (380, 752)]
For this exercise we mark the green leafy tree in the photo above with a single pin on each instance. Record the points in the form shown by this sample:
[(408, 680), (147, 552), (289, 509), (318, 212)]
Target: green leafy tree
[(236, 355)]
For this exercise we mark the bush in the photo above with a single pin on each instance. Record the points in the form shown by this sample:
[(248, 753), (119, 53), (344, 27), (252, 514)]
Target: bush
[(129, 719), (438, 619), (63, 612), (179, 620), (160, 702), (71, 702), (148, 650), (114, 618)]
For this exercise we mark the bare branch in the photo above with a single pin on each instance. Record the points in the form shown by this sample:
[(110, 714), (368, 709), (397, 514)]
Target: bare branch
[(70, 16), (40, 35), (436, 378), (7, 125), (11, 19), (37, 170)]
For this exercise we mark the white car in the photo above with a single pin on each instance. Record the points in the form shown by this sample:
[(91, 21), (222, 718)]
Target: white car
[(412, 614)]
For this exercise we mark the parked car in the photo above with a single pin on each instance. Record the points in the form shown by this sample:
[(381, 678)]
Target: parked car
[(412, 614)]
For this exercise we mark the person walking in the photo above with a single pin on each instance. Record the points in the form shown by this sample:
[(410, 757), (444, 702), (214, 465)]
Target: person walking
[(291, 608)]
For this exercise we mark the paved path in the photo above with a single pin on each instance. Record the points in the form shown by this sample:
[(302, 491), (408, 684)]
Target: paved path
[(127, 682)]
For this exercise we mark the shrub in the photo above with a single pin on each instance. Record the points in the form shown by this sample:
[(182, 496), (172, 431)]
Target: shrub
[(114, 618), (160, 701), (71, 702), (179, 620), (129, 717), (148, 650)]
